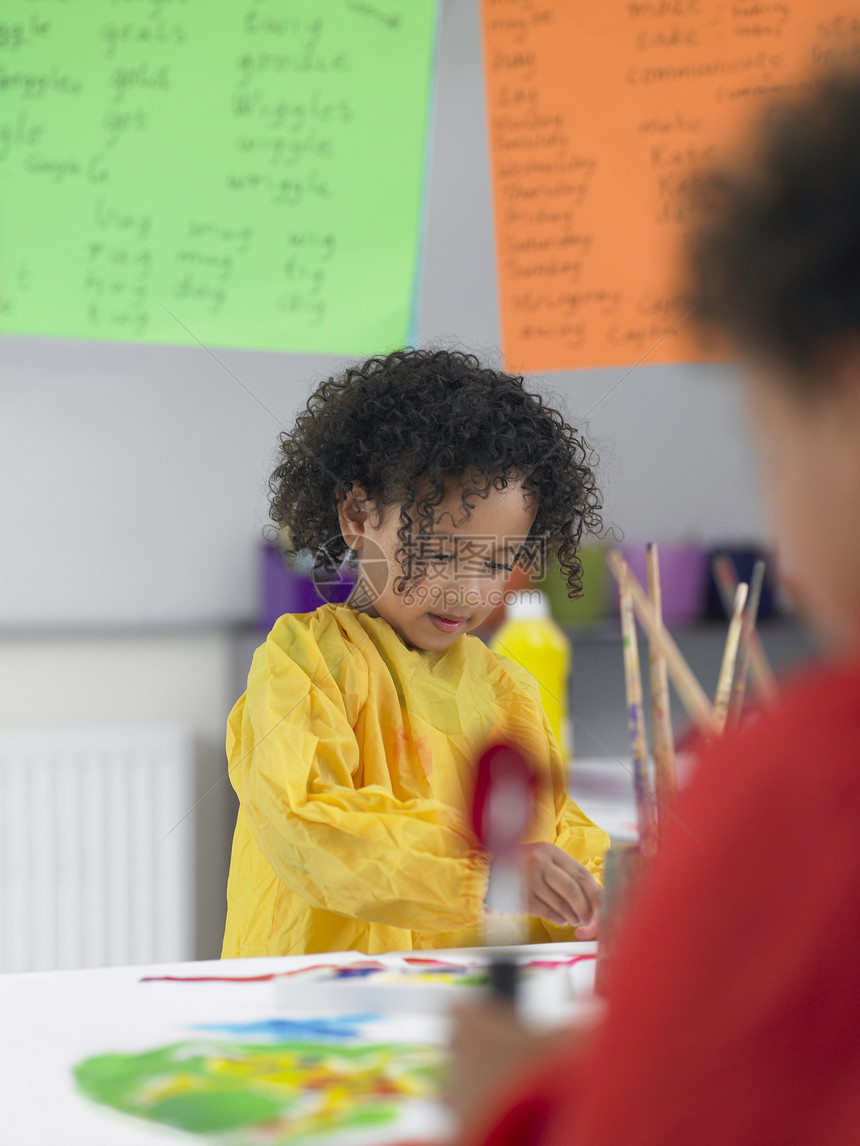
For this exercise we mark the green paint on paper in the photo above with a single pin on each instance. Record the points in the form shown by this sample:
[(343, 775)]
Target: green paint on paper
[(270, 1091), (209, 1112), (240, 174)]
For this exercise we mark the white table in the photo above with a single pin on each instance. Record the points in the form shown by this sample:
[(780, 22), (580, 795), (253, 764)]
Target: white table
[(52, 1020)]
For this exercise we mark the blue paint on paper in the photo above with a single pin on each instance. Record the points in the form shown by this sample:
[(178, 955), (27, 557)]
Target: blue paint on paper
[(283, 1030)]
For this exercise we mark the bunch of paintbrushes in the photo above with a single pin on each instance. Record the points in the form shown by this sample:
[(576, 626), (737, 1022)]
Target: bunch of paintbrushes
[(743, 657)]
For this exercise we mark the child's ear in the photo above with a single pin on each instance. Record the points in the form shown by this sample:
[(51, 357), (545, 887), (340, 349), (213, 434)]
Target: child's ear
[(353, 508)]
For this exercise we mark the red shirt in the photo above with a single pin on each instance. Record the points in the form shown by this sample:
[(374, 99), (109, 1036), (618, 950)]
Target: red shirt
[(734, 1016)]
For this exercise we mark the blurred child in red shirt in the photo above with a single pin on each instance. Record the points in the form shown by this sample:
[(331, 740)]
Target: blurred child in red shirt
[(734, 1009)]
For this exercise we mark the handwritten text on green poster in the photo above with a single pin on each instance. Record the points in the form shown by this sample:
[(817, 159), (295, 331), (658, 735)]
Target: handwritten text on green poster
[(243, 173)]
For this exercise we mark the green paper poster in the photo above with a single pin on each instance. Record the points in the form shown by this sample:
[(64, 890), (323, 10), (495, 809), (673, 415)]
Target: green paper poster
[(243, 173)]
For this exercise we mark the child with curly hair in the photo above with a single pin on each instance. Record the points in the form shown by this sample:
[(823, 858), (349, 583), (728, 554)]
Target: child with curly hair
[(352, 750)]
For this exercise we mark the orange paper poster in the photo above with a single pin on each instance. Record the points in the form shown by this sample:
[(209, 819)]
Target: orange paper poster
[(600, 116)]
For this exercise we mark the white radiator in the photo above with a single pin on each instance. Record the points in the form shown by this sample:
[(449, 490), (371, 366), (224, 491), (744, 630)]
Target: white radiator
[(96, 847)]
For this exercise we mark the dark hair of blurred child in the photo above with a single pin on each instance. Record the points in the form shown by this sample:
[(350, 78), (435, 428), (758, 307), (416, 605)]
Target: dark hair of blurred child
[(734, 999)]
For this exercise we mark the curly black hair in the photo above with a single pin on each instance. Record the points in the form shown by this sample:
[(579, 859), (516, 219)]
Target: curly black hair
[(777, 256), (400, 425)]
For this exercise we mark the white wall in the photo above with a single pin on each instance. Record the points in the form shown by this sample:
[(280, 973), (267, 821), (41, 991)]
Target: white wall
[(186, 678), (134, 477)]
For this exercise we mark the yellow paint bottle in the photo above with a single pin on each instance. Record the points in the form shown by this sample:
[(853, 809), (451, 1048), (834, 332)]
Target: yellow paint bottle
[(531, 637)]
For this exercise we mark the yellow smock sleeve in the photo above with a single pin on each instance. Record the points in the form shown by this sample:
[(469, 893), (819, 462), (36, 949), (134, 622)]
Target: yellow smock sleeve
[(355, 850)]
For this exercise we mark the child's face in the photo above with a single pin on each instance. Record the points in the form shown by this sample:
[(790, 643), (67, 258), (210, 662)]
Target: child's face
[(469, 558), (810, 453)]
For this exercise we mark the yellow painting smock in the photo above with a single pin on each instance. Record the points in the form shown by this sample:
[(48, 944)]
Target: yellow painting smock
[(352, 755)]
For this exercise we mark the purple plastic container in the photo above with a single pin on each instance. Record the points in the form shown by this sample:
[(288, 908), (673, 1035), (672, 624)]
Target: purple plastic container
[(743, 558), (683, 579), (286, 589)]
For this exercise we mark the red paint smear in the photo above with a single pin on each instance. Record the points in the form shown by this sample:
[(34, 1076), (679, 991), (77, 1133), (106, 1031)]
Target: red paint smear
[(413, 960), (560, 962), (368, 964), (208, 978)]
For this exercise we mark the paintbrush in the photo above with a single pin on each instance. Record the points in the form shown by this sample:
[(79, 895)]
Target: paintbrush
[(730, 656), (748, 634), (665, 774), (636, 725), (727, 583)]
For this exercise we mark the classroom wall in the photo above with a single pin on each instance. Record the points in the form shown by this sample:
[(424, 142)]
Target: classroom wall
[(133, 479), (161, 677), (137, 473)]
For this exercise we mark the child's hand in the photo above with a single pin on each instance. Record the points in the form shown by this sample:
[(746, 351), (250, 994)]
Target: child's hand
[(490, 1045), (490, 1049), (560, 889)]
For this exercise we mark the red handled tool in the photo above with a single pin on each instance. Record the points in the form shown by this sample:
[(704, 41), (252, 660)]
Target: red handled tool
[(503, 807)]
